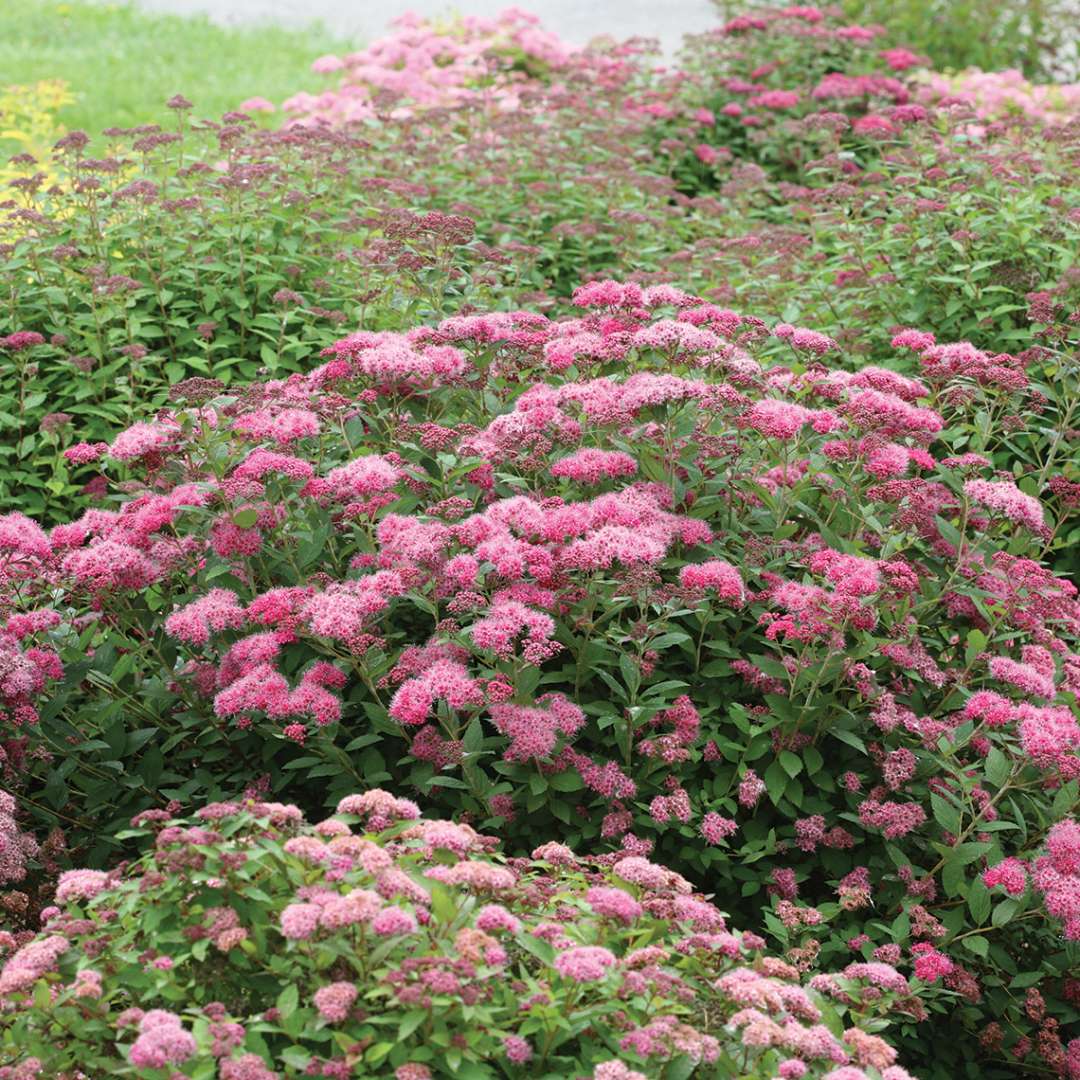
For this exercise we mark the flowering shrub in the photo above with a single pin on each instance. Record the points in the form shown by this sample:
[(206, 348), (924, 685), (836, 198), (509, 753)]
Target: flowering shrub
[(152, 269), (994, 94), (1029, 34), (778, 86), (16, 847), (190, 252), (425, 64), (127, 302), (248, 942), (784, 601), (629, 576)]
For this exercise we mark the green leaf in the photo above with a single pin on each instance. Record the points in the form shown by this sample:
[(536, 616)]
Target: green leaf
[(442, 904), (244, 519), (1026, 978), (945, 814), (976, 643), (287, 1001), (791, 763), (541, 949), (776, 781), (1065, 799), (1004, 912), (474, 736), (977, 944), (848, 737), (566, 781), (410, 1022), (448, 781), (952, 878), (964, 854), (978, 901), (682, 1068), (997, 767)]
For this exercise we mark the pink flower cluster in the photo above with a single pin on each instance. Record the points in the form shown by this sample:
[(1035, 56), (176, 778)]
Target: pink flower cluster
[(162, 1041), (1056, 875), (422, 66)]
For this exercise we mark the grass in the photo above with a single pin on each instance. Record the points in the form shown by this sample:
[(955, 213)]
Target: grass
[(122, 64)]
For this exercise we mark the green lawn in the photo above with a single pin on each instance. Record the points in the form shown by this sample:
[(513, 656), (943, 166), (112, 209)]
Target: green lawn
[(123, 64)]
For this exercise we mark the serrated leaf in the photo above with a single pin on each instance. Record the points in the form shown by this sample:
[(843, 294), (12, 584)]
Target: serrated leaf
[(410, 1022), (952, 878), (541, 949), (474, 736)]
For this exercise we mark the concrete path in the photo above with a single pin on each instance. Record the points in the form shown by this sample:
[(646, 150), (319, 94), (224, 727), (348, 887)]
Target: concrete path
[(361, 20)]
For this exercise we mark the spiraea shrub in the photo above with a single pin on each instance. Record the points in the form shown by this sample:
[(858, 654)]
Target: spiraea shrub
[(336, 457), (656, 579), (248, 945), (467, 180), (224, 250)]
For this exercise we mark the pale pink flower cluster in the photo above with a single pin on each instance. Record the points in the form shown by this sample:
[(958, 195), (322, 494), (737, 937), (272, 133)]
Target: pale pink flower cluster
[(15, 845), (380, 805), (218, 610), (998, 94), (534, 732), (798, 337), (1024, 676), (715, 574), (1011, 873), (1008, 500), (425, 65), (29, 963), (930, 965), (1056, 875), (162, 1041), (80, 885), (1050, 736), (716, 829), (614, 904), (444, 680), (893, 818), (278, 425), (142, 439), (335, 1000), (616, 1070), (585, 963)]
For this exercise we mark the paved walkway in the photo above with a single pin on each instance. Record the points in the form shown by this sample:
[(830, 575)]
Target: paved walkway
[(575, 20)]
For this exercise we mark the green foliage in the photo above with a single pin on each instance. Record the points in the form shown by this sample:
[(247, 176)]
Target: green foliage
[(234, 932), (1032, 35), (1035, 36)]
